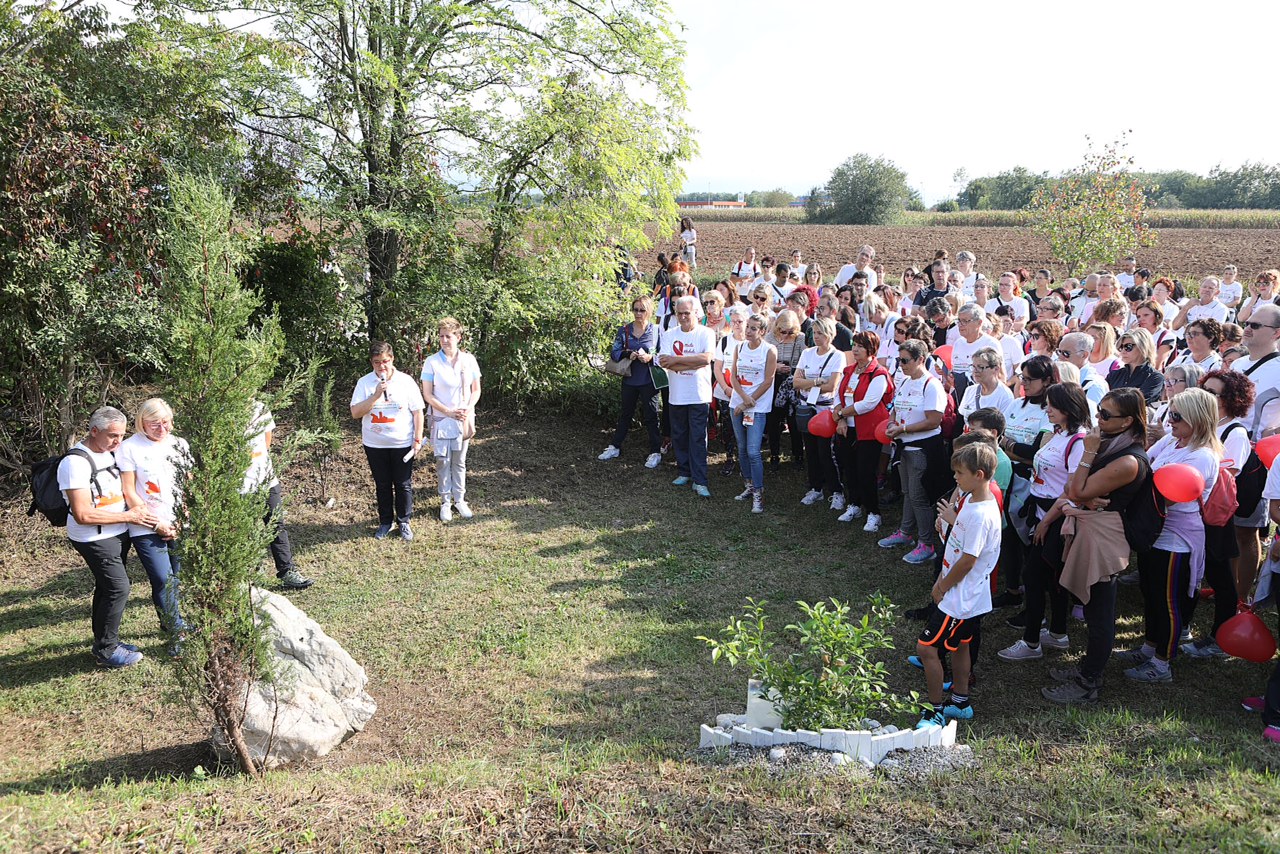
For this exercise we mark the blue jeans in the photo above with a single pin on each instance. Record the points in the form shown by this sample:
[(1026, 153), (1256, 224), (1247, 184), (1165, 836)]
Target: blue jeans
[(750, 439), (689, 438), (160, 559)]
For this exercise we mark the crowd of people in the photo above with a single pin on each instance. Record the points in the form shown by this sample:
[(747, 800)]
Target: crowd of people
[(1020, 424), (120, 493)]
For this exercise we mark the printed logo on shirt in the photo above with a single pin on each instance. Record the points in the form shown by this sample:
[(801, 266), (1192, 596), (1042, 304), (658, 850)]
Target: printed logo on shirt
[(109, 500), (677, 347), (381, 418), (152, 488)]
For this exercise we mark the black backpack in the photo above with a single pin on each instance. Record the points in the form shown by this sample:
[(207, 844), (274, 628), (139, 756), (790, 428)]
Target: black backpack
[(45, 495), (1144, 517)]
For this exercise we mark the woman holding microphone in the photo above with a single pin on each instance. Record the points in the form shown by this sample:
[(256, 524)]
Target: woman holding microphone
[(389, 406)]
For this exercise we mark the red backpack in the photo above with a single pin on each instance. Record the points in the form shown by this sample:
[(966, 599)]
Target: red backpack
[(1220, 508)]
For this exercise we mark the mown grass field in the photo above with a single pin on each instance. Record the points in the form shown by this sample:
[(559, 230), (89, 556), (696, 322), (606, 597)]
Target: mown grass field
[(540, 688)]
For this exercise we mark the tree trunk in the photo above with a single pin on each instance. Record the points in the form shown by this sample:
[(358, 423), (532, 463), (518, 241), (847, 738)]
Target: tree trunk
[(383, 246)]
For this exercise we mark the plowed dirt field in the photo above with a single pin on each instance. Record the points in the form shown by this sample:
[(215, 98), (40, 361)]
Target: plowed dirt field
[(1186, 254)]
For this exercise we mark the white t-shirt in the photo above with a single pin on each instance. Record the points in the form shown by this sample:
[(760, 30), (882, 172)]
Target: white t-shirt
[(883, 331), (1084, 302), (1210, 362), (260, 472), (688, 386), (975, 399), (1014, 355), (1125, 281), (977, 533), (390, 423), (1266, 401), (1229, 292), (1095, 386), (1235, 443), (155, 467), (751, 369), (962, 353), (1053, 466), (1021, 306), (451, 382), (846, 275), (967, 286), (689, 236), (1170, 310), (778, 293), (1166, 452), (1024, 421), (108, 495), (1215, 310), (820, 368), (1105, 365), (913, 398), (799, 270), (725, 347), (1272, 490)]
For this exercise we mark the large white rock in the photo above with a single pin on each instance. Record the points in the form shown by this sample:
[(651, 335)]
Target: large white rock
[(318, 699)]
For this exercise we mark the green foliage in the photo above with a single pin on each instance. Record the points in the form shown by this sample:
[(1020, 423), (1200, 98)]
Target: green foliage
[(1095, 213), (862, 191), (836, 677), (217, 371), (318, 433), (298, 282), (531, 331), (947, 206), (777, 198), (1011, 190), (78, 302)]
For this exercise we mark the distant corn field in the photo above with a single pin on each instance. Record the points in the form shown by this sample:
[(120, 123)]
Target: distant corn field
[(1004, 219)]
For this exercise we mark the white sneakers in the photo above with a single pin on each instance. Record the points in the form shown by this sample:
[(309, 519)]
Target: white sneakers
[(757, 501), (446, 511), (463, 508), (813, 496), (851, 512), (746, 493), (837, 501), (1021, 651), (873, 523), (1048, 640), (653, 461), (448, 506), (610, 453)]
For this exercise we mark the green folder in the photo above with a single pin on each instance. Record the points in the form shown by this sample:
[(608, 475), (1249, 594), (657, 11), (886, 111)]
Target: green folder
[(660, 378)]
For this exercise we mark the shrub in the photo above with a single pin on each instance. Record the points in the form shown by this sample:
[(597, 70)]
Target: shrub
[(835, 679), (862, 191)]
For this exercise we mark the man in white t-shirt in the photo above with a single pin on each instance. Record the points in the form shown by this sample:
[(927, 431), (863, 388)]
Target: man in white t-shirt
[(744, 273), (1125, 278), (970, 340), (262, 474), (1082, 302), (686, 353), (98, 527), (1262, 366), (866, 255), (1207, 306), (389, 405), (1075, 347), (781, 287)]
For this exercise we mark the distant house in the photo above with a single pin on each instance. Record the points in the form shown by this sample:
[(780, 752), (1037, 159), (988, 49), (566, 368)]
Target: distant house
[(801, 201), (705, 205)]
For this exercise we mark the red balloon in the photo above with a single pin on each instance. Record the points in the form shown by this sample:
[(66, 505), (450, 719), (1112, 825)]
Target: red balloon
[(944, 353), (1246, 636), (1267, 449), (882, 432), (1179, 483), (823, 425)]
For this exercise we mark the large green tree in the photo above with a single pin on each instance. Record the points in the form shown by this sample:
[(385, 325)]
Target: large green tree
[(403, 106), (861, 191)]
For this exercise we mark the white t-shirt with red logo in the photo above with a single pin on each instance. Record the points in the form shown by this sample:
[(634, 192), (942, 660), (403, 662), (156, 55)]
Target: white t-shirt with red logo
[(390, 423), (155, 467), (688, 386), (751, 369), (106, 492)]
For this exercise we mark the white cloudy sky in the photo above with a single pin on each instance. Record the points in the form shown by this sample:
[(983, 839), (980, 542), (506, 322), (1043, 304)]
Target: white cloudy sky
[(781, 91)]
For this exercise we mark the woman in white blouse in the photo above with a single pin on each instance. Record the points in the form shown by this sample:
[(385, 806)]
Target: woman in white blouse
[(451, 387)]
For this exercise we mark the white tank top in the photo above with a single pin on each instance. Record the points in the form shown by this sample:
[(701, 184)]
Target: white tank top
[(751, 368)]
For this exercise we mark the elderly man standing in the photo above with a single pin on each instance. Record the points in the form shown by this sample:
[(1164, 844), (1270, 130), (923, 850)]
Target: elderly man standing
[(686, 354), (98, 527), (971, 339), (1262, 366), (866, 255)]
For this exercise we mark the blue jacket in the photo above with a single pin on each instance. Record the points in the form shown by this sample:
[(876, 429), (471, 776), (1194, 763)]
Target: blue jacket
[(624, 339)]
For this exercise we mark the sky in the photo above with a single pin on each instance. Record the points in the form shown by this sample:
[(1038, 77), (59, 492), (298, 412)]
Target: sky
[(782, 91)]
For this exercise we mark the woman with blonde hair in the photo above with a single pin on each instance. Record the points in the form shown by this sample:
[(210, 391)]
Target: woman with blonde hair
[(1103, 357), (1137, 355), (451, 387), (1172, 568), (637, 342), (151, 462), (787, 338)]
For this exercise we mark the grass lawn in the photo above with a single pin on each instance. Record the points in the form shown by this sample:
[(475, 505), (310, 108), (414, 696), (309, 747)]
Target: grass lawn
[(540, 687)]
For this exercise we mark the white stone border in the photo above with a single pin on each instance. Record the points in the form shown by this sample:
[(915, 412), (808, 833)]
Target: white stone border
[(761, 726)]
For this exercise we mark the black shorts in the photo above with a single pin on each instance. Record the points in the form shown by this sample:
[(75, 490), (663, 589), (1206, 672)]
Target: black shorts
[(947, 631)]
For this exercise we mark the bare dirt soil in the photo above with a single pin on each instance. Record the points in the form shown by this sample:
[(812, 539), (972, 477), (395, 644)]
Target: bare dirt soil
[(1182, 253)]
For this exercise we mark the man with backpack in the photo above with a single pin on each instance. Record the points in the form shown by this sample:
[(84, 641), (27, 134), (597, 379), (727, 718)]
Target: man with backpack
[(98, 529)]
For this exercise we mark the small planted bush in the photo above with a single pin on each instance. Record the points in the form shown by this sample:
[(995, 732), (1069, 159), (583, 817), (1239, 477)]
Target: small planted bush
[(832, 675)]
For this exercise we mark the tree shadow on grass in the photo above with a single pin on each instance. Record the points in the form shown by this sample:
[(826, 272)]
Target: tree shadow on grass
[(177, 761)]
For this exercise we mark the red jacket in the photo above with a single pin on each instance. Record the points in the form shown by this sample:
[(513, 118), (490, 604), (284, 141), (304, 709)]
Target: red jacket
[(865, 425)]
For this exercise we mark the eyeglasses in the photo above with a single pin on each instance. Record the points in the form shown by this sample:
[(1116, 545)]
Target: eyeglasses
[(1172, 383), (1176, 418), (1027, 379), (1255, 326), (1194, 333), (1128, 348), (1104, 415)]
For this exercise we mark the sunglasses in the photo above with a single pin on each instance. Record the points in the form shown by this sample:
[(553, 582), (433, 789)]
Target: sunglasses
[(1104, 415), (1255, 326), (1176, 418), (1036, 336), (639, 311), (759, 299), (1128, 348), (708, 303)]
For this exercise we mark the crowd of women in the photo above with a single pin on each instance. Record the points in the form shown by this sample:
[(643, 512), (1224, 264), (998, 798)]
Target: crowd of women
[(120, 493), (1087, 388)]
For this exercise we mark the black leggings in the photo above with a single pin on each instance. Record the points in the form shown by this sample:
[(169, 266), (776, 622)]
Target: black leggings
[(820, 457), (1040, 575), (646, 398), (859, 466), (778, 416)]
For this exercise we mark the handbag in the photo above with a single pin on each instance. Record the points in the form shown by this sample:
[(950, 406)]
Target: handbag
[(620, 367), (804, 412)]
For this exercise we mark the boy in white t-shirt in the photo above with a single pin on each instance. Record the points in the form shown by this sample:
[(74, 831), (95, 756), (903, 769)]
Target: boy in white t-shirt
[(963, 588)]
